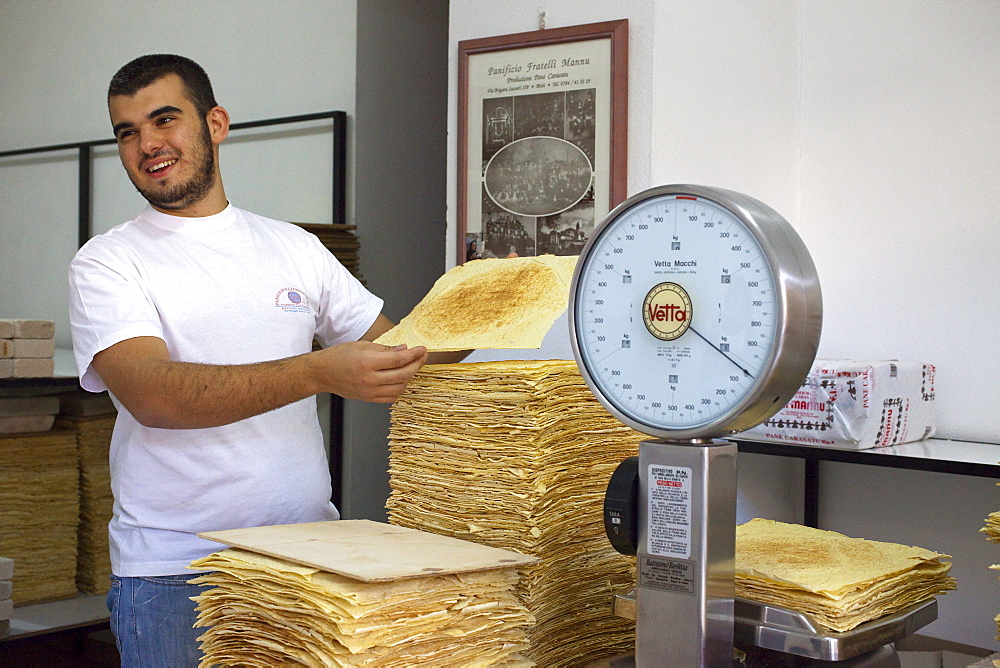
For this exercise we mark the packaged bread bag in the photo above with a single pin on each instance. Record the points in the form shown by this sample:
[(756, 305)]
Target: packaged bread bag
[(856, 405)]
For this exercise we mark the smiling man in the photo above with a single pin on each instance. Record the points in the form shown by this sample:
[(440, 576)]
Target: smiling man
[(199, 318)]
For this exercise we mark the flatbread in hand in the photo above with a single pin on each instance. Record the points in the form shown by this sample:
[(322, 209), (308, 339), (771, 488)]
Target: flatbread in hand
[(494, 303)]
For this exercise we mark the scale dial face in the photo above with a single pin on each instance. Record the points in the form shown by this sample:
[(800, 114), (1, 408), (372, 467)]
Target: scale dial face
[(695, 312)]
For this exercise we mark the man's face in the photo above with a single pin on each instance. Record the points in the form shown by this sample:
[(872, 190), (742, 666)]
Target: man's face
[(164, 144)]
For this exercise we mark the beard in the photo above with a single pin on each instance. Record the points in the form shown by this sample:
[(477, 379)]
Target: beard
[(182, 195)]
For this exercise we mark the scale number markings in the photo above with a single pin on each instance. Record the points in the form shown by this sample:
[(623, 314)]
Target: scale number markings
[(677, 313)]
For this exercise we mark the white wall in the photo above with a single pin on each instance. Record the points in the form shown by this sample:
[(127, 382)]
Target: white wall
[(266, 58), (900, 166), (725, 98), (874, 128), (900, 175)]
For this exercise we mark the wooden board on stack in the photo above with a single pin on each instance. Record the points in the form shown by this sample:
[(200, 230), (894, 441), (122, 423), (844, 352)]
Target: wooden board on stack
[(341, 241), (518, 455), (358, 593), (39, 507), (23, 414), (92, 418)]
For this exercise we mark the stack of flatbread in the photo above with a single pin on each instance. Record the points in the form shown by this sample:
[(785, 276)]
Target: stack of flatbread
[(93, 438), (518, 455), (267, 612), (358, 593), (39, 507), (840, 581)]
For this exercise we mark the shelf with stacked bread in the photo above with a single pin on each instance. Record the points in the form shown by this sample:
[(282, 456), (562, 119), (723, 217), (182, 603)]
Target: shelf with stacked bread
[(54, 442)]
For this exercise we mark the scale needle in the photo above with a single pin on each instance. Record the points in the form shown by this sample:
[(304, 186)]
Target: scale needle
[(745, 372)]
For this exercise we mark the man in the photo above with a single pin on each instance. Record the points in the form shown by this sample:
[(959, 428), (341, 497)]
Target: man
[(199, 319)]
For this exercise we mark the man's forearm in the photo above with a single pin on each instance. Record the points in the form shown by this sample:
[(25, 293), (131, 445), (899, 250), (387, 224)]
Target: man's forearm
[(182, 395), (168, 394)]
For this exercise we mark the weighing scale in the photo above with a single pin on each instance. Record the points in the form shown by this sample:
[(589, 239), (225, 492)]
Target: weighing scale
[(695, 313)]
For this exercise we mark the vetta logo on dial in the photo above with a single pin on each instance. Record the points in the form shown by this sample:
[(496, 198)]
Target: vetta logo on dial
[(667, 311)]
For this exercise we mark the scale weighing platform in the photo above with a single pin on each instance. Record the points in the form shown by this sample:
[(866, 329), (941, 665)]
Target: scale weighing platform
[(695, 313)]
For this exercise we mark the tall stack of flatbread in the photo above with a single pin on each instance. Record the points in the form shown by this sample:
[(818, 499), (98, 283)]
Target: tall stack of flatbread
[(39, 506), (93, 439), (340, 240), (840, 581), (518, 455), (410, 600)]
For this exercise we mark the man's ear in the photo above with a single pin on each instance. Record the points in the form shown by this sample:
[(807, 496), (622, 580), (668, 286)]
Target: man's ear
[(218, 124)]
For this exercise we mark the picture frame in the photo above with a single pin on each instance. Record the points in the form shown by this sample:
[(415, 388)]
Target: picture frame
[(542, 138)]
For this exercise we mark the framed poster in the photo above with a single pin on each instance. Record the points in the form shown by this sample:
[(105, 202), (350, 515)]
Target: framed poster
[(542, 122)]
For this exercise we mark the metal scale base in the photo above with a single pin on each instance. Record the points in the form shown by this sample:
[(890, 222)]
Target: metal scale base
[(772, 636), (683, 603)]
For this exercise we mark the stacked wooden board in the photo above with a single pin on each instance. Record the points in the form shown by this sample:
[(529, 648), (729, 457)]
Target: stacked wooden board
[(518, 455), (358, 593), (39, 507), (27, 348), (341, 241), (23, 414), (93, 439)]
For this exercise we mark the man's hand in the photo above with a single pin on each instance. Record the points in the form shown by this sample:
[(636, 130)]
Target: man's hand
[(367, 371)]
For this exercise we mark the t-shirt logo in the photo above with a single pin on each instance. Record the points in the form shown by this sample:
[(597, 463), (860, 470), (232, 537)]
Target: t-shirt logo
[(292, 300)]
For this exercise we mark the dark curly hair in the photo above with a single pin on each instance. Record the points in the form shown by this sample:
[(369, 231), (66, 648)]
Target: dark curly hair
[(144, 70)]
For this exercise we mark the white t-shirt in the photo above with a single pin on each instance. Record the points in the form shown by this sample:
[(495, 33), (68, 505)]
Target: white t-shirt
[(233, 288)]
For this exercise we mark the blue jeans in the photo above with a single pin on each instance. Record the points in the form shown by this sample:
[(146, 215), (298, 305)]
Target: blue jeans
[(153, 621)]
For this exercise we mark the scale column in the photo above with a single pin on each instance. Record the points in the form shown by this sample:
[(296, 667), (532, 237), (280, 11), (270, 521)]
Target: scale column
[(686, 554)]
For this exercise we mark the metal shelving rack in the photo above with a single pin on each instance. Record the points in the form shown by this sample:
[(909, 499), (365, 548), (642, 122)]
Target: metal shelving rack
[(85, 161), (934, 454)]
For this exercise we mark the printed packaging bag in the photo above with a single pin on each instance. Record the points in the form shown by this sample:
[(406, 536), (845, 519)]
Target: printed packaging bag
[(856, 405)]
